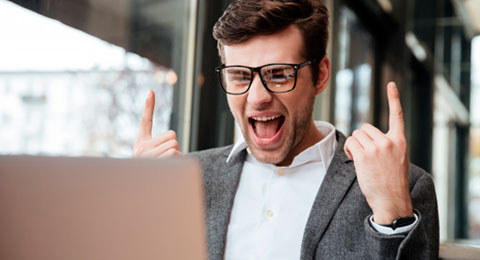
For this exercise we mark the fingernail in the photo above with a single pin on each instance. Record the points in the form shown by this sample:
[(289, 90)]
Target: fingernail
[(393, 86)]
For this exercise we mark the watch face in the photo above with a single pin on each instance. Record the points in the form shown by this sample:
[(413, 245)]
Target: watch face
[(402, 222)]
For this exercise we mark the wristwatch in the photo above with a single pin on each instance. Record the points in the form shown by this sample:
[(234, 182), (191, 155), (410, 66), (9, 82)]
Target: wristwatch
[(400, 222)]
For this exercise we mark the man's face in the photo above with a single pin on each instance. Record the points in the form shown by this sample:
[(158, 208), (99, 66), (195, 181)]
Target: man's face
[(276, 126)]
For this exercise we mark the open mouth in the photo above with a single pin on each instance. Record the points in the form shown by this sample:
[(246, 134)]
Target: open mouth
[(266, 127)]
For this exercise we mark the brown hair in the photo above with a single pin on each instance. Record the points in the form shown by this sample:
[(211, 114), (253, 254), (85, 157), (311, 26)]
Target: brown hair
[(245, 19)]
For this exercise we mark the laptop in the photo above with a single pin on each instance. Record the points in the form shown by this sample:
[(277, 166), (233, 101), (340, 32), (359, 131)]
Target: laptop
[(100, 208)]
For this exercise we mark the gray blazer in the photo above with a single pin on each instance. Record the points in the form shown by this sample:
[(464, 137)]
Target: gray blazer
[(338, 226)]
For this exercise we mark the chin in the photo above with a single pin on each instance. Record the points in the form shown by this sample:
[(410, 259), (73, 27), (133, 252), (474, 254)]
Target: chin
[(273, 157)]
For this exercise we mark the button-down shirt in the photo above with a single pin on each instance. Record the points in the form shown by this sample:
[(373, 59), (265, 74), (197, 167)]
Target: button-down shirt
[(272, 204)]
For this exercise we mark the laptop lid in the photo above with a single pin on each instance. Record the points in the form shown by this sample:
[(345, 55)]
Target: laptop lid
[(96, 208)]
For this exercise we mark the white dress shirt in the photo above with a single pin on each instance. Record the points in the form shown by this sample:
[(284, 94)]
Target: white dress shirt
[(272, 204)]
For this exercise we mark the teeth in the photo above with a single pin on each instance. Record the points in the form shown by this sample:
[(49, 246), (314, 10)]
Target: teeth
[(265, 118)]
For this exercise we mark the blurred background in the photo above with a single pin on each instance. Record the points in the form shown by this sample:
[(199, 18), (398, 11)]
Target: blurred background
[(74, 75)]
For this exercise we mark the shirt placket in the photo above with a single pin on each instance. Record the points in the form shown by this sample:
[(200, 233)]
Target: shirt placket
[(265, 214), (268, 212)]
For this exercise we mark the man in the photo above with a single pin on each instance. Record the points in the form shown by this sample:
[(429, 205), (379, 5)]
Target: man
[(291, 187)]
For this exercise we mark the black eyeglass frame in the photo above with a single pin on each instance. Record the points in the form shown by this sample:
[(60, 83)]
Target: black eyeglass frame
[(296, 67)]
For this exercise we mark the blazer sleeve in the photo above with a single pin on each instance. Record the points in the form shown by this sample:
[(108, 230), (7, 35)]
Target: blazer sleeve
[(422, 241)]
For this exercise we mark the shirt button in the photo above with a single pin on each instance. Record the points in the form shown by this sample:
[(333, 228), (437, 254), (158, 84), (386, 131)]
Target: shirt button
[(281, 171), (269, 213)]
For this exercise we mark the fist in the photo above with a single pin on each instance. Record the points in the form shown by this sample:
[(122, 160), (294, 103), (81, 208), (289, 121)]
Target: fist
[(162, 145), (381, 164)]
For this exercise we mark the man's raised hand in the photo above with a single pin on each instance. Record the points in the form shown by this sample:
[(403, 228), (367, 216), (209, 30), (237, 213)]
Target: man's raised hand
[(381, 164), (162, 145)]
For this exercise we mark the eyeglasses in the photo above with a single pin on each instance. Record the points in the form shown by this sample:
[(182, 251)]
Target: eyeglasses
[(276, 77)]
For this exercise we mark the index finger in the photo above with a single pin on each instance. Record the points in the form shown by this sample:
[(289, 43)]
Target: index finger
[(396, 123), (147, 117)]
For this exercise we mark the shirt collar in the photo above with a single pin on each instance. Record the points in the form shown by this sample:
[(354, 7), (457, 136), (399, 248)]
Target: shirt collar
[(239, 145), (321, 151)]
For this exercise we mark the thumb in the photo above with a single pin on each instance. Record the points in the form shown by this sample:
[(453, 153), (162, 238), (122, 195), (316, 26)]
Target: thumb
[(347, 151)]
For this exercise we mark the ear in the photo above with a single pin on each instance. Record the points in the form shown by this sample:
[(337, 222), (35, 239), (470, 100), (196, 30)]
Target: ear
[(323, 75)]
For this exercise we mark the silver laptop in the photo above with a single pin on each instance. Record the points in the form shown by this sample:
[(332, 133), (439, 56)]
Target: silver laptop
[(96, 208)]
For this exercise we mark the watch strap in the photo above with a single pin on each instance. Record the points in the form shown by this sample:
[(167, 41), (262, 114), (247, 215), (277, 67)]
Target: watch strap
[(400, 222)]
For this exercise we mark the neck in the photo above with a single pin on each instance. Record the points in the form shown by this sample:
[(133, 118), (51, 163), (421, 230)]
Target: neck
[(311, 137)]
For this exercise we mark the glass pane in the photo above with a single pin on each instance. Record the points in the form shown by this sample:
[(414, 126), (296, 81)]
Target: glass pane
[(474, 178), (76, 84), (353, 79)]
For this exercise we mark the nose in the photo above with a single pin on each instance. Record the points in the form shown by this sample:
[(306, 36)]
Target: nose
[(258, 95)]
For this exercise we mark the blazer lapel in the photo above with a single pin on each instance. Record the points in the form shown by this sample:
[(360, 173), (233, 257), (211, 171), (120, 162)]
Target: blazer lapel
[(224, 185), (338, 179)]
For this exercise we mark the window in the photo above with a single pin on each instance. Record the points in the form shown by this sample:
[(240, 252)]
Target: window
[(353, 79), (474, 178), (75, 74)]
